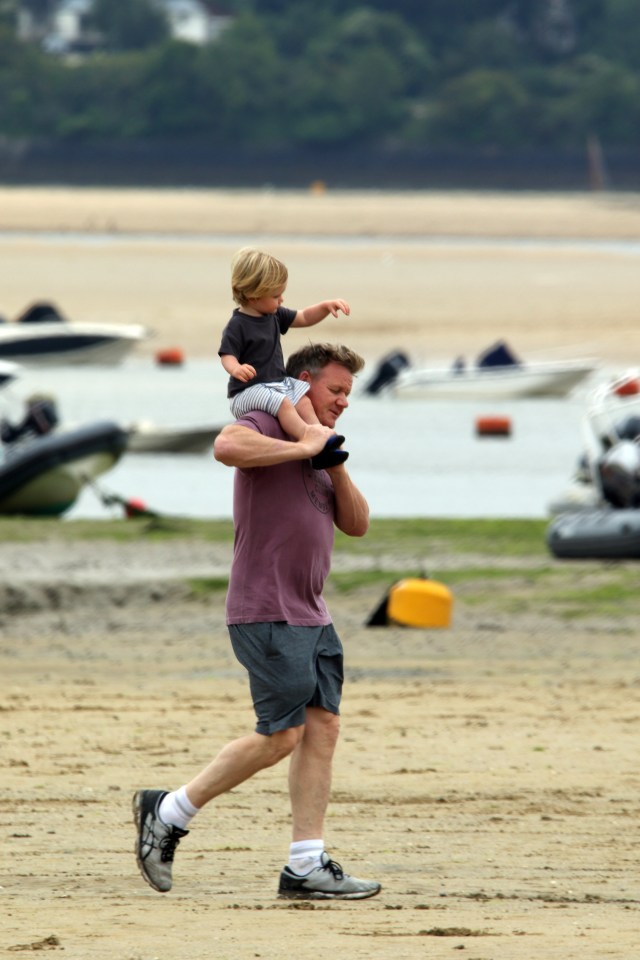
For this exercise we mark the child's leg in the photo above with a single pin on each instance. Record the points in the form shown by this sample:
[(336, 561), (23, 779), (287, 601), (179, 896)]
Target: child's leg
[(293, 423), (308, 414), (305, 410), (290, 419)]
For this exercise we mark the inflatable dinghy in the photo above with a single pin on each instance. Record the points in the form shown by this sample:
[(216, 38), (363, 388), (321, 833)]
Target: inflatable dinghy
[(603, 534)]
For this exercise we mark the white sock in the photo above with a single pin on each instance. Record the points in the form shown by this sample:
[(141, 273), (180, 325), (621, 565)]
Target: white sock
[(304, 855), (177, 809)]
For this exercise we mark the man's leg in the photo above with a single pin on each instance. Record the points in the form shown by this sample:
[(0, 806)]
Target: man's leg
[(236, 762), (240, 760), (309, 788), (310, 773)]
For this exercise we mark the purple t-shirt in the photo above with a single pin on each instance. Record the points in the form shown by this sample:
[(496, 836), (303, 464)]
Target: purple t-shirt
[(283, 539)]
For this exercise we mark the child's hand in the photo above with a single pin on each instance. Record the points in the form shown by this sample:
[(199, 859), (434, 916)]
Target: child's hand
[(333, 306), (244, 372), (318, 311)]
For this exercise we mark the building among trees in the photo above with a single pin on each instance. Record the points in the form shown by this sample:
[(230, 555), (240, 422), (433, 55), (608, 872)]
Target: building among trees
[(81, 26)]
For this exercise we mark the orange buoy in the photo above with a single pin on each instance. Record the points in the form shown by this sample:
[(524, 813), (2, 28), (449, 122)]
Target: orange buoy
[(134, 507), (493, 426), (170, 356)]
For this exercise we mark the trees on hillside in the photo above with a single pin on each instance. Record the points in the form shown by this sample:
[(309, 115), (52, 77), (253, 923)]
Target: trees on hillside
[(447, 72), (133, 25)]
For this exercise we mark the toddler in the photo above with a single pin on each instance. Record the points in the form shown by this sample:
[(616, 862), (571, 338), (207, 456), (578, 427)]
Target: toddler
[(251, 352)]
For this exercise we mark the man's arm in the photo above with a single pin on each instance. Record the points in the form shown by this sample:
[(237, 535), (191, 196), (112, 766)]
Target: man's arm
[(238, 446), (352, 510)]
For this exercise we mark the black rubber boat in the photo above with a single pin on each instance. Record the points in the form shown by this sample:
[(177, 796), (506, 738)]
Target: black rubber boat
[(44, 475)]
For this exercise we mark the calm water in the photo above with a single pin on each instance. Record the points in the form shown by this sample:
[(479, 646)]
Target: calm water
[(409, 457)]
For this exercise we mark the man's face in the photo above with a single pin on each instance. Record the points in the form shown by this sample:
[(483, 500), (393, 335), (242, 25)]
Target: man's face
[(329, 392)]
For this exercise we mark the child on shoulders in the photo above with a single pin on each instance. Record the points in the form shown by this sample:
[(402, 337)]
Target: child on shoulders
[(251, 351)]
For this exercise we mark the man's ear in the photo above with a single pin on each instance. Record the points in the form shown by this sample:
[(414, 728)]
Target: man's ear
[(305, 375)]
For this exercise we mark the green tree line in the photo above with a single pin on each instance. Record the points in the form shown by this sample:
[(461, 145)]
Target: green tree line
[(430, 73)]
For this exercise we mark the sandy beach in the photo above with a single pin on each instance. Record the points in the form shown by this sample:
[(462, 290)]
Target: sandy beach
[(434, 274), (487, 773)]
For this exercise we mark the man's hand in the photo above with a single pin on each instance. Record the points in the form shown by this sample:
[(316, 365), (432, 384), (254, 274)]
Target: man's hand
[(314, 439)]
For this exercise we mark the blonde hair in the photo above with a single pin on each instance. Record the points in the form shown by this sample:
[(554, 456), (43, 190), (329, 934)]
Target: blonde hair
[(255, 274)]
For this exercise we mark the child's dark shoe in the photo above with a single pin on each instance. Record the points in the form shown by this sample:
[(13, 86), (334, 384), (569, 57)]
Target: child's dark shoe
[(330, 455)]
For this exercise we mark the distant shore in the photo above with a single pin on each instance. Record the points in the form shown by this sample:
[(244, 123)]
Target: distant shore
[(318, 211), (433, 273)]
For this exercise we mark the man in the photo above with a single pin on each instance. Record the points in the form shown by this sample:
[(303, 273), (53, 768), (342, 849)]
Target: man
[(280, 630)]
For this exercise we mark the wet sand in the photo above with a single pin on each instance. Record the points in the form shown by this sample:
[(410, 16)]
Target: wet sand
[(434, 274), (487, 773)]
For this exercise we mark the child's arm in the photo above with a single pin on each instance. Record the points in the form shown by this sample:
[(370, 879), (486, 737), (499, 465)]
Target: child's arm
[(239, 371), (318, 311)]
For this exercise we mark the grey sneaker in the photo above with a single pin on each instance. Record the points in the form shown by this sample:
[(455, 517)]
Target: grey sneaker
[(326, 882), (157, 841)]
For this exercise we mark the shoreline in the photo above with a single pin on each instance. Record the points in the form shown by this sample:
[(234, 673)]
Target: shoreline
[(436, 213)]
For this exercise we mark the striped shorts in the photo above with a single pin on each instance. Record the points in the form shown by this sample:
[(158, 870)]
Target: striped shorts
[(268, 396)]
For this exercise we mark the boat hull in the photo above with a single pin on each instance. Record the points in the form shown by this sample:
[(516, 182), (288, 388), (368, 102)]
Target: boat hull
[(45, 476), (147, 439), (56, 490), (55, 343), (495, 383), (603, 534), (8, 372)]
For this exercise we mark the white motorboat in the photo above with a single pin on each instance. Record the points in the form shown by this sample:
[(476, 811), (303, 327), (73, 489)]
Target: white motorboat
[(8, 372), (554, 378), (498, 375), (42, 336), (598, 517), (608, 472), (147, 437)]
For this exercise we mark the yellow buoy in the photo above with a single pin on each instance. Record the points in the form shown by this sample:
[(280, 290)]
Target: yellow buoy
[(420, 603)]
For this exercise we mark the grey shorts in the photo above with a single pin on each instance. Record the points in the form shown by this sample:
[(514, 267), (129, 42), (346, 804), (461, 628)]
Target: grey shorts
[(290, 668)]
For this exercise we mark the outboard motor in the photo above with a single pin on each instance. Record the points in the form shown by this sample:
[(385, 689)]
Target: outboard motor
[(41, 418), (41, 312), (619, 471), (499, 354), (629, 429), (388, 369)]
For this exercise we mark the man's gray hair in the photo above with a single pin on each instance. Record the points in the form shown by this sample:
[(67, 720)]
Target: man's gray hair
[(314, 357)]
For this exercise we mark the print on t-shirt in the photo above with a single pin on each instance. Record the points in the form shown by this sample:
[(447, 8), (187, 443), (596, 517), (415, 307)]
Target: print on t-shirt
[(318, 487)]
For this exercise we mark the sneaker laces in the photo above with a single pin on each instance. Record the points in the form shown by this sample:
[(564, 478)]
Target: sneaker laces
[(168, 846), (335, 869)]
